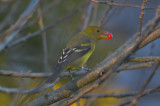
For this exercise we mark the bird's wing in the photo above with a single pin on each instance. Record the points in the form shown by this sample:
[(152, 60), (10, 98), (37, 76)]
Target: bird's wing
[(70, 55)]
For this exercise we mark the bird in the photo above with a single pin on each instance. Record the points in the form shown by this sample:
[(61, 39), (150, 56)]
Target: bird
[(75, 54), (78, 50)]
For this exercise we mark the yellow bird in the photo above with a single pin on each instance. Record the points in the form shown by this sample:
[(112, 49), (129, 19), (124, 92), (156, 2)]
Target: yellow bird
[(78, 50)]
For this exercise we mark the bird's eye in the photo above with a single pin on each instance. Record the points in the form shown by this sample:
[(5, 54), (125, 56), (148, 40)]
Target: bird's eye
[(98, 30)]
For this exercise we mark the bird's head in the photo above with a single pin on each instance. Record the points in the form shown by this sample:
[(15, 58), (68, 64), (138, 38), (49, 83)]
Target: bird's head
[(97, 33)]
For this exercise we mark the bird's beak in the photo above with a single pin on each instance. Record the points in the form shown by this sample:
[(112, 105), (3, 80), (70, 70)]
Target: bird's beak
[(106, 35)]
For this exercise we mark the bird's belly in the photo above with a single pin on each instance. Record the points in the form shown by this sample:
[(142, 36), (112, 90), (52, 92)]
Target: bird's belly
[(78, 64)]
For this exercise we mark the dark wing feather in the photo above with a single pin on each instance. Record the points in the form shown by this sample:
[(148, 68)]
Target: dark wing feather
[(68, 56), (72, 54)]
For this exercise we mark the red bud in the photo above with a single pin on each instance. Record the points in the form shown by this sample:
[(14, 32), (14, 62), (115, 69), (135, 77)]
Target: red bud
[(109, 36)]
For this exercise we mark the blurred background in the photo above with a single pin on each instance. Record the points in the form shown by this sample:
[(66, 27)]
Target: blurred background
[(31, 55)]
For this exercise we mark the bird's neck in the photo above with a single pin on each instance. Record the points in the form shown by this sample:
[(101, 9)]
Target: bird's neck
[(89, 37)]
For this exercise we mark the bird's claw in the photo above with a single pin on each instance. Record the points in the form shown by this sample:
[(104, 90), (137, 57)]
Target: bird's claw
[(72, 79), (71, 75), (86, 69)]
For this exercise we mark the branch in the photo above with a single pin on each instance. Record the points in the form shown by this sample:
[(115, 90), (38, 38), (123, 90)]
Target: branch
[(4, 5), (105, 15), (144, 59), (23, 39), (70, 87), (87, 16), (127, 67), (120, 5), (149, 61), (6, 37), (8, 20), (142, 90), (44, 42), (22, 91), (122, 95), (131, 47), (141, 17), (37, 75), (63, 74), (155, 35), (135, 100)]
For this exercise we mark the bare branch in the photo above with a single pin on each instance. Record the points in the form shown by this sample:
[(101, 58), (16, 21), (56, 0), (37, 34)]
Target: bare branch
[(140, 93), (95, 8), (135, 100), (52, 5), (126, 67), (20, 91), (23, 39), (143, 59), (123, 95), (87, 15), (110, 65), (4, 5), (120, 55), (105, 15), (130, 48), (44, 42), (155, 35), (21, 74), (120, 5), (13, 30), (8, 20), (70, 87), (141, 17)]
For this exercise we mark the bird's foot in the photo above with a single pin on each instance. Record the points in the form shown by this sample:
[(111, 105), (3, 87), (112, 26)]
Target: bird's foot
[(71, 75), (86, 69), (72, 78)]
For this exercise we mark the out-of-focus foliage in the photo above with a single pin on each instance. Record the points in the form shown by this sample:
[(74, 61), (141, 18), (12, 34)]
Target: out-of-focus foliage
[(123, 22)]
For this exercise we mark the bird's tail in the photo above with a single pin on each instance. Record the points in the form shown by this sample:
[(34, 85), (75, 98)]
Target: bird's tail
[(54, 76), (49, 82)]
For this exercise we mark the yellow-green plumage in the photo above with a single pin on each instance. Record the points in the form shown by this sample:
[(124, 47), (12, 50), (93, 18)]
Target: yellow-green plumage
[(77, 51), (84, 41)]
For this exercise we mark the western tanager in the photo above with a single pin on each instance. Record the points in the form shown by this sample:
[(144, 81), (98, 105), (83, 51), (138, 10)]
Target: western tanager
[(78, 50)]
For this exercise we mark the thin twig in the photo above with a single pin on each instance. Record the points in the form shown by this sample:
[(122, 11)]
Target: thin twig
[(149, 39), (115, 59), (143, 59), (127, 67), (6, 37), (52, 5), (20, 74), (4, 5), (94, 15), (44, 42), (141, 17), (35, 20), (87, 16), (135, 100), (158, 11), (23, 39), (105, 15), (120, 5), (105, 76), (22, 91), (129, 50), (122, 95), (149, 61), (69, 102), (9, 19)]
